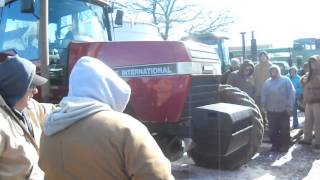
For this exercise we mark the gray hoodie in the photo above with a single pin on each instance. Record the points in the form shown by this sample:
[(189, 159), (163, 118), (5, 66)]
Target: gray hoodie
[(93, 87), (277, 94)]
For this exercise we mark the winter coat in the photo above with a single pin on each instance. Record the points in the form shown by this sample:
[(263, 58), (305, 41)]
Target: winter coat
[(277, 94), (297, 85), (260, 75), (240, 80), (18, 149), (105, 145), (88, 136), (311, 82), (225, 76), (295, 80)]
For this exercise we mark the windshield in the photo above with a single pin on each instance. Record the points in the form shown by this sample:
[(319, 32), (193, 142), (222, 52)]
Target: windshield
[(19, 31), (306, 44), (135, 31), (75, 20), (69, 20)]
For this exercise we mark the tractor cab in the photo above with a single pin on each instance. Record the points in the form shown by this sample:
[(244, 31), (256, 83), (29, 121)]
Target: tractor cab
[(218, 43), (68, 21)]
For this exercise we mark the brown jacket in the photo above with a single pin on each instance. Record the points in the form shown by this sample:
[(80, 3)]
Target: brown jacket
[(106, 145), (311, 82), (18, 149), (311, 90), (261, 74)]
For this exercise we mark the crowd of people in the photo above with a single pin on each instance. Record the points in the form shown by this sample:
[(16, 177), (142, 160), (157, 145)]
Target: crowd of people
[(280, 96), (115, 145)]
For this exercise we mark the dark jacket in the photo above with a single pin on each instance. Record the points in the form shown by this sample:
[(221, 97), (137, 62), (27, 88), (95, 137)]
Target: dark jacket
[(225, 76), (240, 80)]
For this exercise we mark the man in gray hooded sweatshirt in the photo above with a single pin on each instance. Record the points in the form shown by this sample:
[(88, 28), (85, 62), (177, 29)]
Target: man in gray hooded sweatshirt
[(277, 98), (89, 137)]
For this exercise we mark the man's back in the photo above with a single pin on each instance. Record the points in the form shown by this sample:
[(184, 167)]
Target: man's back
[(106, 145)]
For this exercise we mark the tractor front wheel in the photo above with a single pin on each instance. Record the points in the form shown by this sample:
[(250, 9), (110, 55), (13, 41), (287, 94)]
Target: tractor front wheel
[(232, 95)]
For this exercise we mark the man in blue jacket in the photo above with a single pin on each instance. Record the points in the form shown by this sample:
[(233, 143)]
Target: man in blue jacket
[(277, 99), (295, 79)]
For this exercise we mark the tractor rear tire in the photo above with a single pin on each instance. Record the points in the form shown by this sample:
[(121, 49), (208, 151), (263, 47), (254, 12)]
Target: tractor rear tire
[(232, 95)]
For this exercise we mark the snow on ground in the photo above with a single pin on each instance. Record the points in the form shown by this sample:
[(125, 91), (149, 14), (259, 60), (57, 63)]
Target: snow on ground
[(300, 162)]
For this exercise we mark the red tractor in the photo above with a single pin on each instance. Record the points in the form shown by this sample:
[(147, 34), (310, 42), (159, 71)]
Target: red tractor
[(175, 85)]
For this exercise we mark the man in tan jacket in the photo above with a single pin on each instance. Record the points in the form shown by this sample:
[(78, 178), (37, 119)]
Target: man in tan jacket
[(20, 120), (89, 137), (261, 74), (311, 96)]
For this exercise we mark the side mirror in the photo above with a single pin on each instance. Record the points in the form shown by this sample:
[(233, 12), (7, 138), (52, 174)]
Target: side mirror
[(119, 18), (27, 6)]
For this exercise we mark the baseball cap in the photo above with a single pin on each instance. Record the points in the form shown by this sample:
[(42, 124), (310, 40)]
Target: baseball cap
[(16, 76), (38, 80)]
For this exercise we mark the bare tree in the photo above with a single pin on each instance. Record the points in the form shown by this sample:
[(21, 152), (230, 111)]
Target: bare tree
[(166, 13), (210, 22)]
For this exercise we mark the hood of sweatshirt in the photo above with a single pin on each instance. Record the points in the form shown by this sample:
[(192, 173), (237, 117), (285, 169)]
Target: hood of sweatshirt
[(93, 87), (244, 65), (315, 69), (277, 68)]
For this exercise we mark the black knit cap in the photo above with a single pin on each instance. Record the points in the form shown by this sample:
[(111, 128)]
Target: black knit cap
[(16, 76)]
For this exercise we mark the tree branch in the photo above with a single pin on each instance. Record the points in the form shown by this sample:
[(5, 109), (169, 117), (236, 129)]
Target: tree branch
[(167, 12)]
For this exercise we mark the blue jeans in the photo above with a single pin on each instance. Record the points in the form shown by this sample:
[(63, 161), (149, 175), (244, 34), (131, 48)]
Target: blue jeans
[(295, 122)]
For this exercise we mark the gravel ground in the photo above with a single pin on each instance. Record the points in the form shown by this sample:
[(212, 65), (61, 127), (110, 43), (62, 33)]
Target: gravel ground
[(300, 162)]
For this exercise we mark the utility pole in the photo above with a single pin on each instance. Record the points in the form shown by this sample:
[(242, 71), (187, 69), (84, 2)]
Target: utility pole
[(290, 58), (243, 45), (253, 47)]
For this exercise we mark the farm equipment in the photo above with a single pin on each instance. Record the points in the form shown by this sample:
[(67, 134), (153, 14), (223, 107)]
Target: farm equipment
[(175, 85)]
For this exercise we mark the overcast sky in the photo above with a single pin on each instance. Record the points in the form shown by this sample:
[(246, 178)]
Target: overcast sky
[(275, 22)]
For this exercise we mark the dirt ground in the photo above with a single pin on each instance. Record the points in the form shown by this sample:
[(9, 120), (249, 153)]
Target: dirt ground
[(300, 162)]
